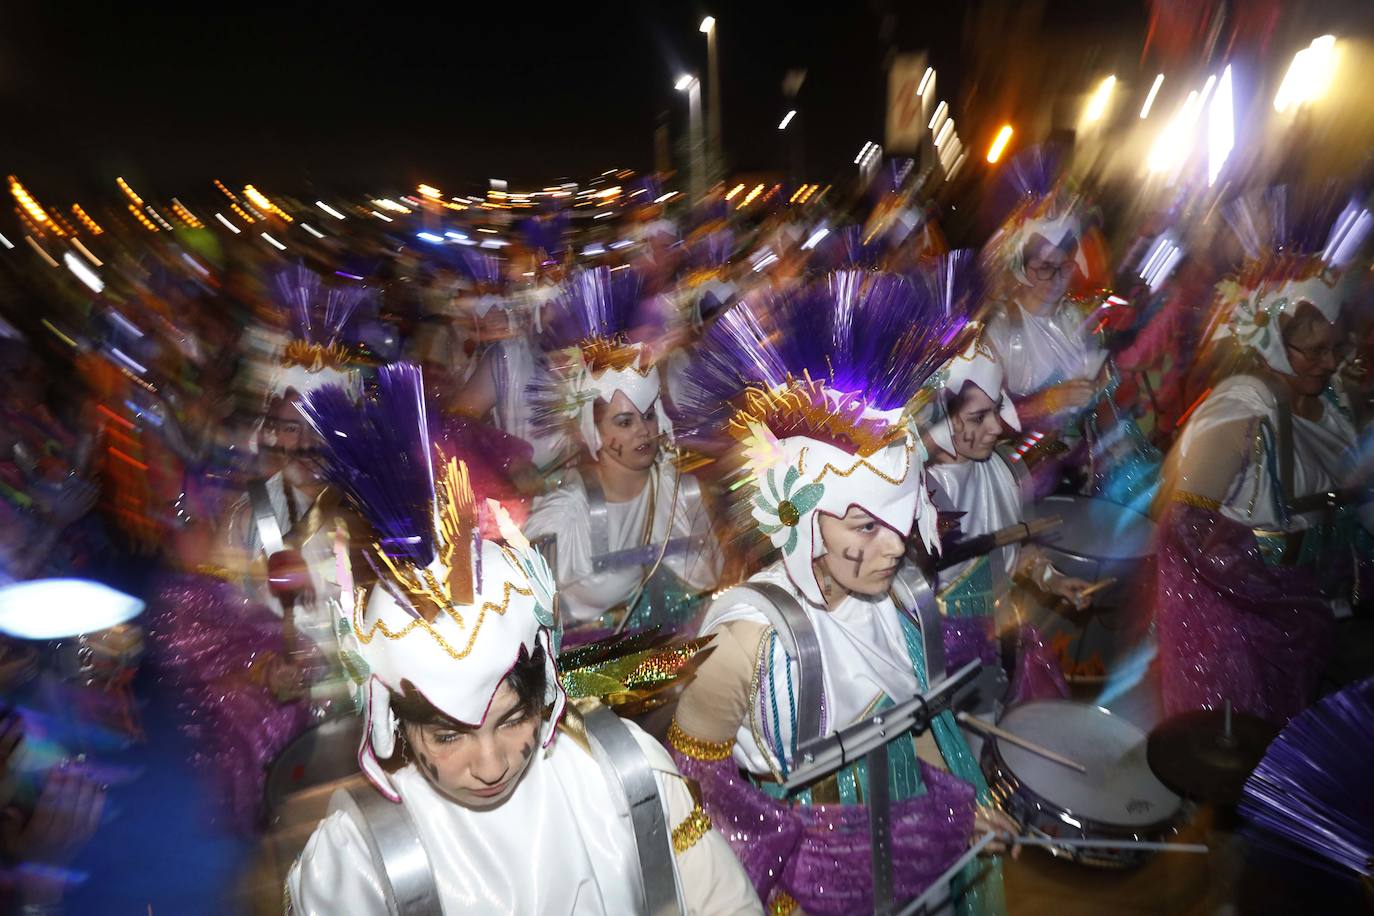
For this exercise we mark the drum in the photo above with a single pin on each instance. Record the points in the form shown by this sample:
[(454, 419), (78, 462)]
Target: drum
[(1117, 798), (324, 754), (1097, 540)]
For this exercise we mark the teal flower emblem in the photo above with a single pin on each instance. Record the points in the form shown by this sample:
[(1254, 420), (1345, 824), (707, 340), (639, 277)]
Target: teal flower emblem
[(779, 516)]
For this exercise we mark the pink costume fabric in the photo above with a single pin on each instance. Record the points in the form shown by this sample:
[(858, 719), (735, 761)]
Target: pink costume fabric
[(1232, 627), (820, 854), (205, 636)]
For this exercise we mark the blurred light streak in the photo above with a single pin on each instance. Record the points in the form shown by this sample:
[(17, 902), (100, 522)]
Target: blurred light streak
[(273, 242), (999, 143), (815, 238), (83, 272), (943, 134), (925, 81), (433, 193), (60, 336), (1097, 104), (430, 237), (41, 253), (6, 242), (133, 195), (1150, 99), (228, 225), (787, 119), (730, 195), (87, 221), (1309, 76), (312, 230), (1221, 128), (328, 209), (940, 111), (87, 252), (380, 216)]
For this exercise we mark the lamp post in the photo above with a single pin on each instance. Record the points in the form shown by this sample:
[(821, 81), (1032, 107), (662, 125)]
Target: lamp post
[(692, 86), (708, 25)]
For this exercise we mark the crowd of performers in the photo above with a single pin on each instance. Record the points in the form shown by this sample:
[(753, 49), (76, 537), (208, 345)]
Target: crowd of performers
[(480, 503)]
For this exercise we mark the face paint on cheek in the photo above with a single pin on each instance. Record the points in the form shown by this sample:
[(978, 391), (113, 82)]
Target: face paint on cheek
[(855, 555), (428, 766), (616, 448)]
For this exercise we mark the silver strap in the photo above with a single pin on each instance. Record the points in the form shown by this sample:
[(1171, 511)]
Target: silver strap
[(626, 768), (646, 553), (913, 594), (402, 865), (794, 628), (265, 517), (596, 513)]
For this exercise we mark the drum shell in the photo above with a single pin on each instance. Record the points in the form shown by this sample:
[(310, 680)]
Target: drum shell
[(1050, 819), (1097, 540)]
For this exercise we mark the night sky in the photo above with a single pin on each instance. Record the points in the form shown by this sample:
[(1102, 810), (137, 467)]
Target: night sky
[(448, 93)]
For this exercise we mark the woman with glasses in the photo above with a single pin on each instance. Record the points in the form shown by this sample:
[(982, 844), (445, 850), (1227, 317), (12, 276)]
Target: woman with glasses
[(1259, 544)]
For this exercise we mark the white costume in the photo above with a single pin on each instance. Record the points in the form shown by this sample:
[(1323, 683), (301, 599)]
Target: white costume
[(565, 840), (1039, 351), (677, 512)]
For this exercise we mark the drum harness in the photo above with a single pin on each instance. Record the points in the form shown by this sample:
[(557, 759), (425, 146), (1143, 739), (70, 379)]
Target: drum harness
[(407, 875)]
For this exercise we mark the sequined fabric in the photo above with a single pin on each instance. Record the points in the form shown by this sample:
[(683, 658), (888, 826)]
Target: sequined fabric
[(204, 637), (1038, 675), (1232, 627), (819, 855)]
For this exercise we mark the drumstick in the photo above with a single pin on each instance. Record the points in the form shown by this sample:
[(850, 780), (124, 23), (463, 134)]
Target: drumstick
[(1097, 586), (1003, 735), (1110, 844)]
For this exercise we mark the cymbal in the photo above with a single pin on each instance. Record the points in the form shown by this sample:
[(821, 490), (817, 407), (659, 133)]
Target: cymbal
[(1192, 755)]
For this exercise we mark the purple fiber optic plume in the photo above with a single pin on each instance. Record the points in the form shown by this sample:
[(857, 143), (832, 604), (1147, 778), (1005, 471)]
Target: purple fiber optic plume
[(480, 266), (874, 333), (1032, 173), (545, 232), (319, 311), (1312, 788), (1327, 222), (714, 249), (857, 254), (593, 303), (955, 280), (379, 454)]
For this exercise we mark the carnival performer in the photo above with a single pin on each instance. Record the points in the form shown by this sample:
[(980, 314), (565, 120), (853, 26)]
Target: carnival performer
[(632, 533), (812, 388), (515, 798), (245, 637), (969, 414), (1043, 338), (1252, 569)]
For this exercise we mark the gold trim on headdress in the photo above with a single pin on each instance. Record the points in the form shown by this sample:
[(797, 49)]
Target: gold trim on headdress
[(804, 407), (314, 357), (603, 353), (429, 593)]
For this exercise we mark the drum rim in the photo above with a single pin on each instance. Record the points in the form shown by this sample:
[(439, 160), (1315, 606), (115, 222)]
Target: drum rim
[(1101, 561), (1004, 774)]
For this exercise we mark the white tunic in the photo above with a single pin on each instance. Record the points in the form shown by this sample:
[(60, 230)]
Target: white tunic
[(1039, 351), (863, 657), (313, 620), (1323, 451), (564, 513), (988, 495), (561, 845)]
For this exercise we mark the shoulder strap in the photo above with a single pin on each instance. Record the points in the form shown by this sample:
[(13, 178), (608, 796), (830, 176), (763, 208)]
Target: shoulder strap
[(798, 636), (627, 769), (265, 517), (596, 512), (913, 594), (401, 863)]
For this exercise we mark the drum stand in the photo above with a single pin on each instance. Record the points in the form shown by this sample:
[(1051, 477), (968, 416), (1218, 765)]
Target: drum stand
[(869, 739)]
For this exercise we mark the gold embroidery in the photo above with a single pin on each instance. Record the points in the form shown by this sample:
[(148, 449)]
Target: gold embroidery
[(696, 748), (782, 904), (314, 357), (908, 448), (690, 831), (807, 408), (1196, 501), (420, 622)]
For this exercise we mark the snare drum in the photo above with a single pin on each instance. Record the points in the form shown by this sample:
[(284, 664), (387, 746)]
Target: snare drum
[(1118, 798)]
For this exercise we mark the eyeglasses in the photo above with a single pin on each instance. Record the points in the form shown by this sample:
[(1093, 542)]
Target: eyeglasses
[(1043, 271), (1337, 354)]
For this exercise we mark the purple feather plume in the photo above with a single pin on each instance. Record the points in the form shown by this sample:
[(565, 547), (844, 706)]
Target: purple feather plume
[(874, 333), (1312, 788), (379, 454), (593, 303), (319, 312)]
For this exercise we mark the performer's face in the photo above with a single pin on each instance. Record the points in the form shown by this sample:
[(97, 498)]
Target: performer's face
[(479, 767), (285, 433), (1049, 268), (1316, 348), (628, 437), (862, 554), (976, 423)]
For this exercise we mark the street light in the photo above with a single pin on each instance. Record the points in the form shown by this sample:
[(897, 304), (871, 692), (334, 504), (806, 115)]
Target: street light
[(692, 86), (708, 26)]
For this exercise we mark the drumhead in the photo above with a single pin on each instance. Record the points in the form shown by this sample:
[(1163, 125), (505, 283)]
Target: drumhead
[(1096, 529), (1118, 787)]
